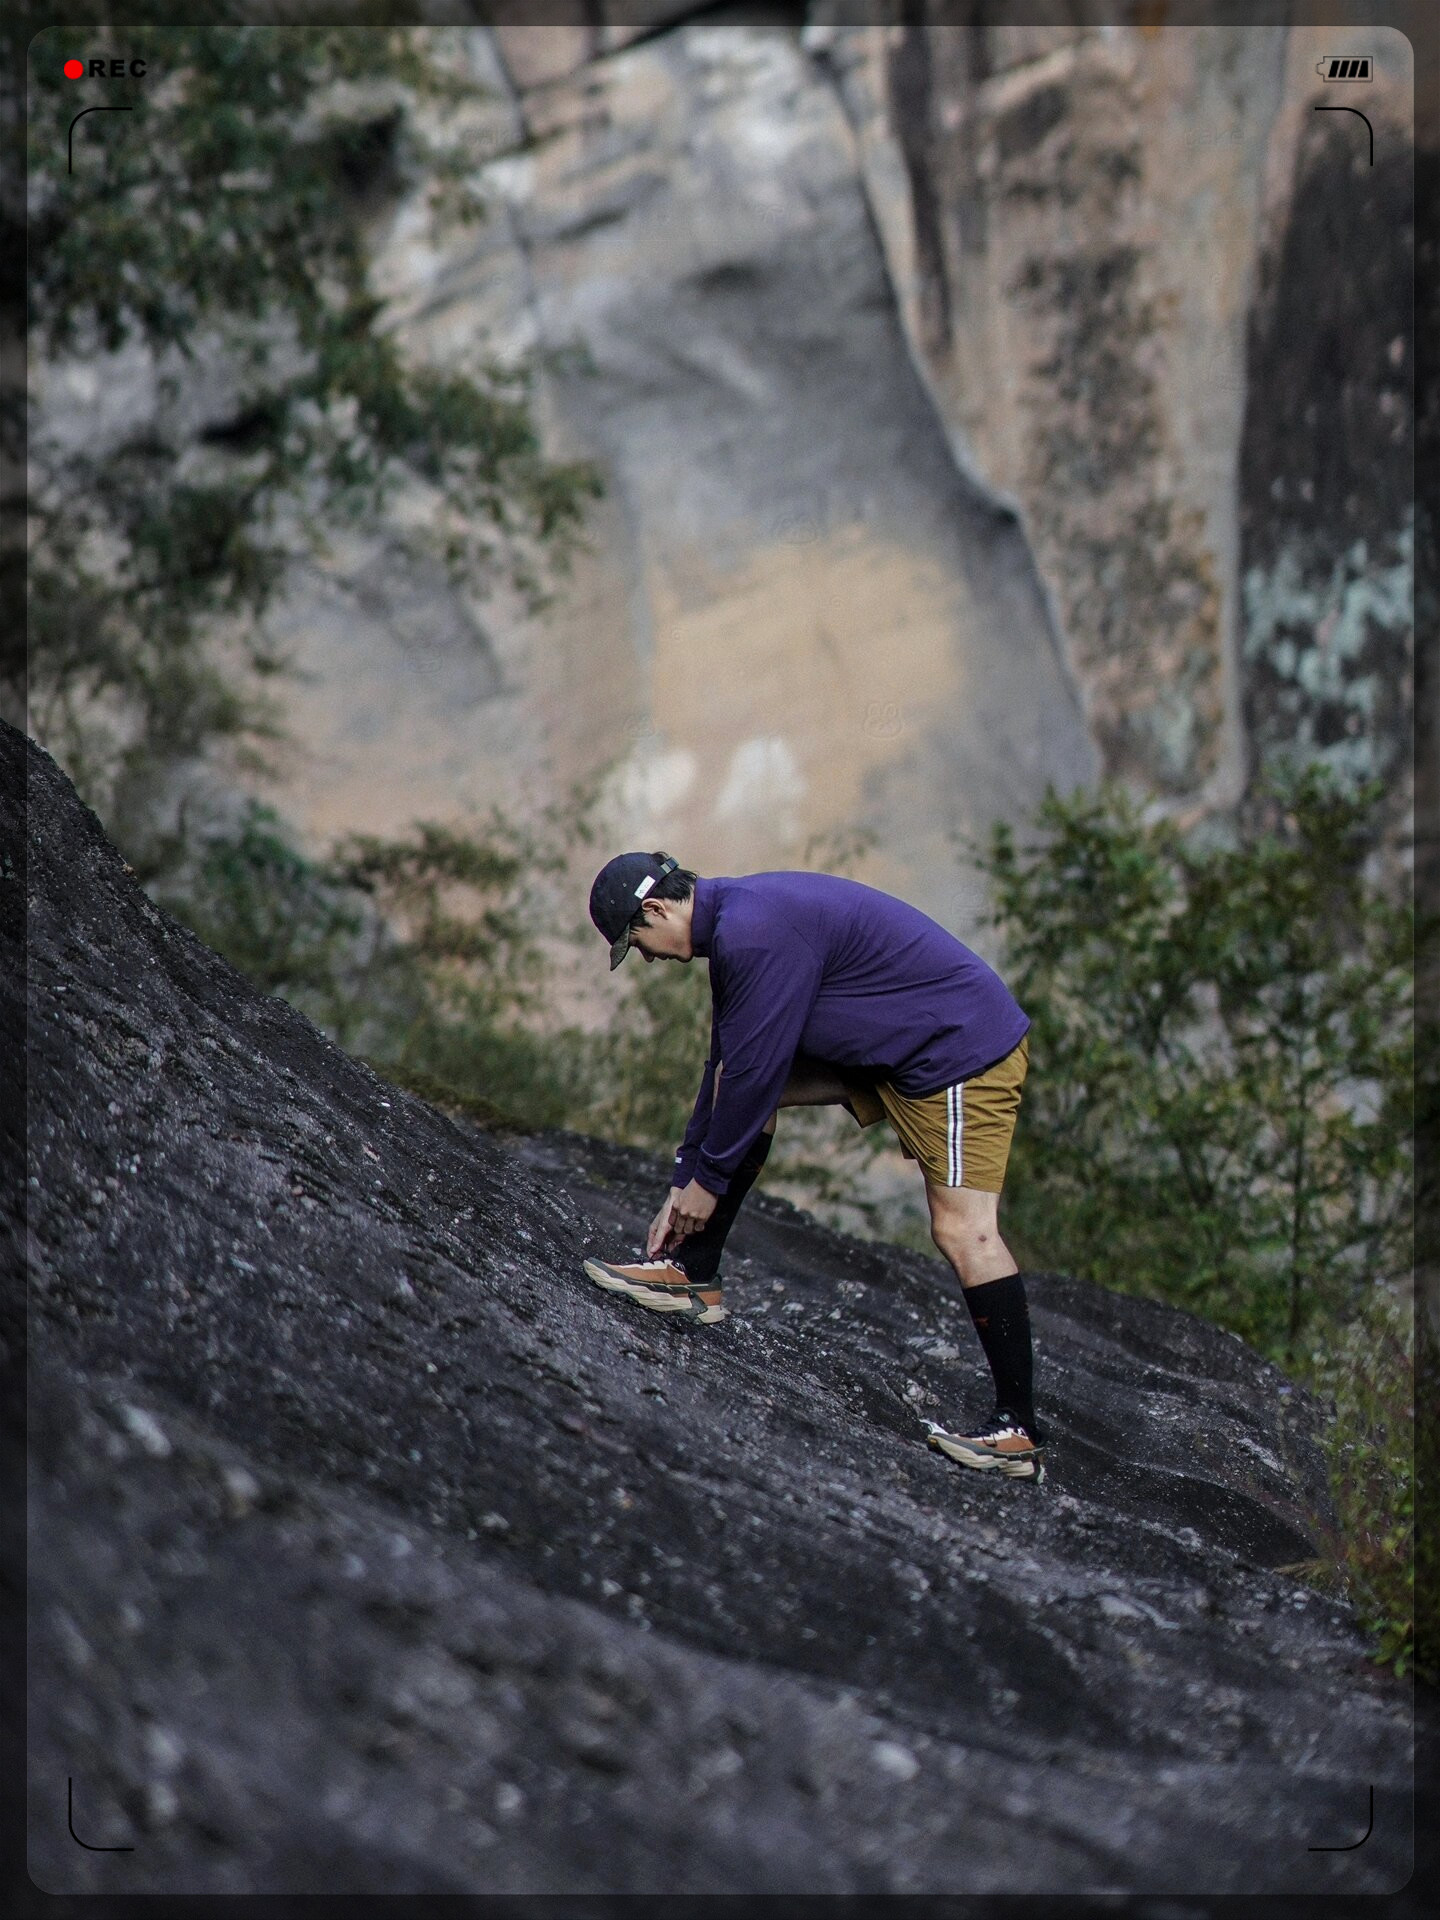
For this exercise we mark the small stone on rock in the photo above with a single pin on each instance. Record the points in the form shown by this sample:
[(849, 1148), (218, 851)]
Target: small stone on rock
[(894, 1759), (146, 1429)]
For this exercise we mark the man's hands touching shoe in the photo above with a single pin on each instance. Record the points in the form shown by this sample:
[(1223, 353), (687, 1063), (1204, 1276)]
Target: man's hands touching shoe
[(659, 1234)]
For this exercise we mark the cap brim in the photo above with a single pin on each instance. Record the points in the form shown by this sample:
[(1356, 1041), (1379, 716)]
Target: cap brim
[(618, 949)]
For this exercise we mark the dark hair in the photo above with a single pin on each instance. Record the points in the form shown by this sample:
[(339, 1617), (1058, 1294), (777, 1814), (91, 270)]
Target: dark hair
[(677, 885)]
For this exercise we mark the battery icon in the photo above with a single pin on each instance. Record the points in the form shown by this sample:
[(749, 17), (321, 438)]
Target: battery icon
[(1345, 67)]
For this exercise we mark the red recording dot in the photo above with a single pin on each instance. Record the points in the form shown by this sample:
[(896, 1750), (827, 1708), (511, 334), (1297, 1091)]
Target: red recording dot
[(74, 69)]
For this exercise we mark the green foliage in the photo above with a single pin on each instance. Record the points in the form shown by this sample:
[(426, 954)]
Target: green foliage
[(298, 928), (429, 954), (222, 229), (1220, 1107), (472, 909), (269, 909), (1366, 1371), (1220, 1103), (457, 896), (641, 1072)]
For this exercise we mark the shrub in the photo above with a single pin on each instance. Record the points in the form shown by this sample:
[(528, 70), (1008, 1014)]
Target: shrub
[(423, 953), (1366, 1371), (1220, 1109), (293, 926), (1220, 1102)]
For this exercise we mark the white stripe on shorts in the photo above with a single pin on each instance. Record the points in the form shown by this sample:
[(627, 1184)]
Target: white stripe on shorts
[(954, 1129)]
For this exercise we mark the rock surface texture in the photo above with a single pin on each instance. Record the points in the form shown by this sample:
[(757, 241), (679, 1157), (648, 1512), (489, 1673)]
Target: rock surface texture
[(373, 1549), (1115, 249), (799, 613)]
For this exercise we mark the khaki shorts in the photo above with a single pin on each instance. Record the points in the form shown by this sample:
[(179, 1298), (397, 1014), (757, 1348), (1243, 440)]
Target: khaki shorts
[(960, 1134)]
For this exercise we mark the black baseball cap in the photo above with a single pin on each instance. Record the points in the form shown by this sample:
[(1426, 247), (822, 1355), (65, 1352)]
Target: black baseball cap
[(620, 886)]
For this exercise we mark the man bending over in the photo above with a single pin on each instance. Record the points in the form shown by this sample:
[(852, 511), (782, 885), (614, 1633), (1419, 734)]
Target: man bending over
[(828, 992)]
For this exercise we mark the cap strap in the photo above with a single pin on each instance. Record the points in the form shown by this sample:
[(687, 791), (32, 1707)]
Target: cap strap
[(667, 865)]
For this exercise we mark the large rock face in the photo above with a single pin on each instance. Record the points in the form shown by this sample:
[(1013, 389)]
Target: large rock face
[(374, 1550), (1074, 219), (1117, 253), (979, 406), (799, 612)]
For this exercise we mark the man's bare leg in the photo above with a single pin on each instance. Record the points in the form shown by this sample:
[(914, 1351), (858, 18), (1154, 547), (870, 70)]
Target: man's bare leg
[(813, 1084), (964, 1224)]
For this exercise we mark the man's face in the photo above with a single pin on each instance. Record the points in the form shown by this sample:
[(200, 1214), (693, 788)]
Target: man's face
[(665, 934)]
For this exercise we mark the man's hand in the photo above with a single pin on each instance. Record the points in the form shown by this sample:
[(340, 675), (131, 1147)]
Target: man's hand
[(686, 1211), (660, 1227), (691, 1209)]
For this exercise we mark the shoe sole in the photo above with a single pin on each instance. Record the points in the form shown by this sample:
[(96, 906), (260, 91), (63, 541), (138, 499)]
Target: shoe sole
[(659, 1300), (1024, 1466)]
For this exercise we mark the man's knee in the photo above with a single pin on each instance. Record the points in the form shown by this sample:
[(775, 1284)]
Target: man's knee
[(965, 1222), (956, 1240), (983, 1256)]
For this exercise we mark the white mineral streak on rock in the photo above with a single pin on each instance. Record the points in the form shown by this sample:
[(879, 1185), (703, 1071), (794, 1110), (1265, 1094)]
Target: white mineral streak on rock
[(763, 777), (646, 788)]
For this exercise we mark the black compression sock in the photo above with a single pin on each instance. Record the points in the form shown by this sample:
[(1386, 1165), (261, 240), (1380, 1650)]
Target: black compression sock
[(699, 1253), (1002, 1320)]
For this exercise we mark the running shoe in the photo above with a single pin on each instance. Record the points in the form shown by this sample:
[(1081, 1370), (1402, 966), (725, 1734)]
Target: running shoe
[(999, 1449), (660, 1285)]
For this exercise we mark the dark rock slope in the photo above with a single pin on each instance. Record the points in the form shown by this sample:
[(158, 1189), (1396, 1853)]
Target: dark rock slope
[(375, 1550)]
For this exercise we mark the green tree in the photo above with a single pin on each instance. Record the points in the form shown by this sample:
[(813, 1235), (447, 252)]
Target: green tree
[(1219, 1113), (1380, 1455), (431, 953), (272, 912), (222, 229), (1221, 1105)]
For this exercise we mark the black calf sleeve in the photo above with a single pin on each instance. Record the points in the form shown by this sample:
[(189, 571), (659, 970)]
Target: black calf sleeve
[(699, 1253), (1002, 1320)]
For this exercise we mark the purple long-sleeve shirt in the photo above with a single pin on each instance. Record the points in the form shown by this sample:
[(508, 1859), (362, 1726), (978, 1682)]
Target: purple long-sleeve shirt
[(815, 964)]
